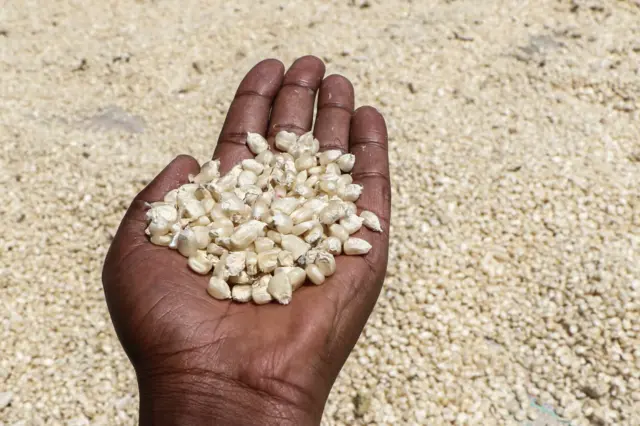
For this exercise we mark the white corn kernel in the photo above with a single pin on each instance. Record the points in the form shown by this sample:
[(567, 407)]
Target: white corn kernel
[(326, 263), (164, 211), (187, 245), (259, 290), (158, 227), (202, 238), (218, 288), (209, 171), (350, 207), (328, 187), (161, 240), (333, 212), (283, 222), (333, 245), (221, 228), (200, 263), (280, 191), (286, 205), (350, 192), (285, 140), (203, 220), (304, 191), (339, 232), (220, 270), (268, 260), (252, 165), (260, 210), (285, 258), (305, 162), (371, 221), (241, 293), (351, 223), (296, 277), (257, 143), (215, 249), (280, 288), (301, 214), (346, 162), (344, 180), (303, 227), (329, 156), (316, 204), (266, 157), (263, 243), (315, 234), (171, 197), (314, 274), (356, 246), (235, 262), (316, 171), (247, 177), (296, 245), (332, 169), (301, 177), (251, 263), (246, 234)]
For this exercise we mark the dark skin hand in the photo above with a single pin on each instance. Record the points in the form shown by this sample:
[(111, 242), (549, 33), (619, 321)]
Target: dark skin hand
[(203, 361)]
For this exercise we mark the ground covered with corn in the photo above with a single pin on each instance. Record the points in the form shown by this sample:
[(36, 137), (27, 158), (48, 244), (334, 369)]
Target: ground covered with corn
[(513, 288)]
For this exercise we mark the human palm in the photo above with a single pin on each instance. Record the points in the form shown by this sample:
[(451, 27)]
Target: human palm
[(203, 360)]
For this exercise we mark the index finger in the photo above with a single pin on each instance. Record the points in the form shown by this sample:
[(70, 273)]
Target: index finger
[(249, 112)]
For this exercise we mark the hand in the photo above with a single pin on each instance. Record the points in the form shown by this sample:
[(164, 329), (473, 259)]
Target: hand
[(200, 360)]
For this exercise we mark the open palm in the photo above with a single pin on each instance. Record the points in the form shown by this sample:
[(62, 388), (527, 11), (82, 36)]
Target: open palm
[(200, 359)]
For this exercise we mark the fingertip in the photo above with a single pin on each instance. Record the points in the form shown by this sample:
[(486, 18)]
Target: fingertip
[(337, 81), (184, 160), (311, 61), (271, 64), (367, 111)]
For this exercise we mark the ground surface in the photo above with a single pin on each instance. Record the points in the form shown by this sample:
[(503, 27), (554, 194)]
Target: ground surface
[(514, 278)]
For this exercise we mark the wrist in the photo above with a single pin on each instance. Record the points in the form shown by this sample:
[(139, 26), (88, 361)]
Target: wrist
[(199, 399)]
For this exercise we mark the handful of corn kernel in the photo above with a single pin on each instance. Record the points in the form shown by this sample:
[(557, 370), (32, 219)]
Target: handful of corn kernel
[(268, 225)]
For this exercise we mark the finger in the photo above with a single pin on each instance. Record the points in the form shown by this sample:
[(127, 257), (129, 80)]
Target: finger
[(131, 234), (249, 112), (293, 108), (353, 290), (335, 107)]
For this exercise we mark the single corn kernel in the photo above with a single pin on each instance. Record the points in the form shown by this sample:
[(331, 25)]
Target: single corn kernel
[(339, 232), (350, 207), (215, 249), (259, 290), (279, 191), (241, 293), (200, 263), (220, 270), (351, 223), (304, 191), (158, 227), (263, 243), (247, 177), (346, 162), (235, 262), (286, 205), (316, 204), (303, 227), (161, 240), (251, 263), (218, 288), (356, 246), (314, 274), (328, 187), (344, 180), (305, 162), (332, 169), (301, 178), (329, 156), (296, 245), (202, 238), (326, 263), (187, 245), (252, 165), (257, 143), (371, 221), (280, 288), (202, 220), (283, 222), (296, 277), (333, 245), (315, 234), (165, 211), (209, 171), (171, 197), (302, 214), (285, 140), (350, 192), (333, 212), (268, 260), (266, 158), (285, 258), (316, 171), (246, 234), (221, 228)]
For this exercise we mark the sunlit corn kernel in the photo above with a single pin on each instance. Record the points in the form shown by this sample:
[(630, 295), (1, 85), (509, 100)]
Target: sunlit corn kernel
[(280, 288), (256, 143), (371, 221), (356, 246), (314, 274), (218, 288), (339, 232), (241, 293)]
